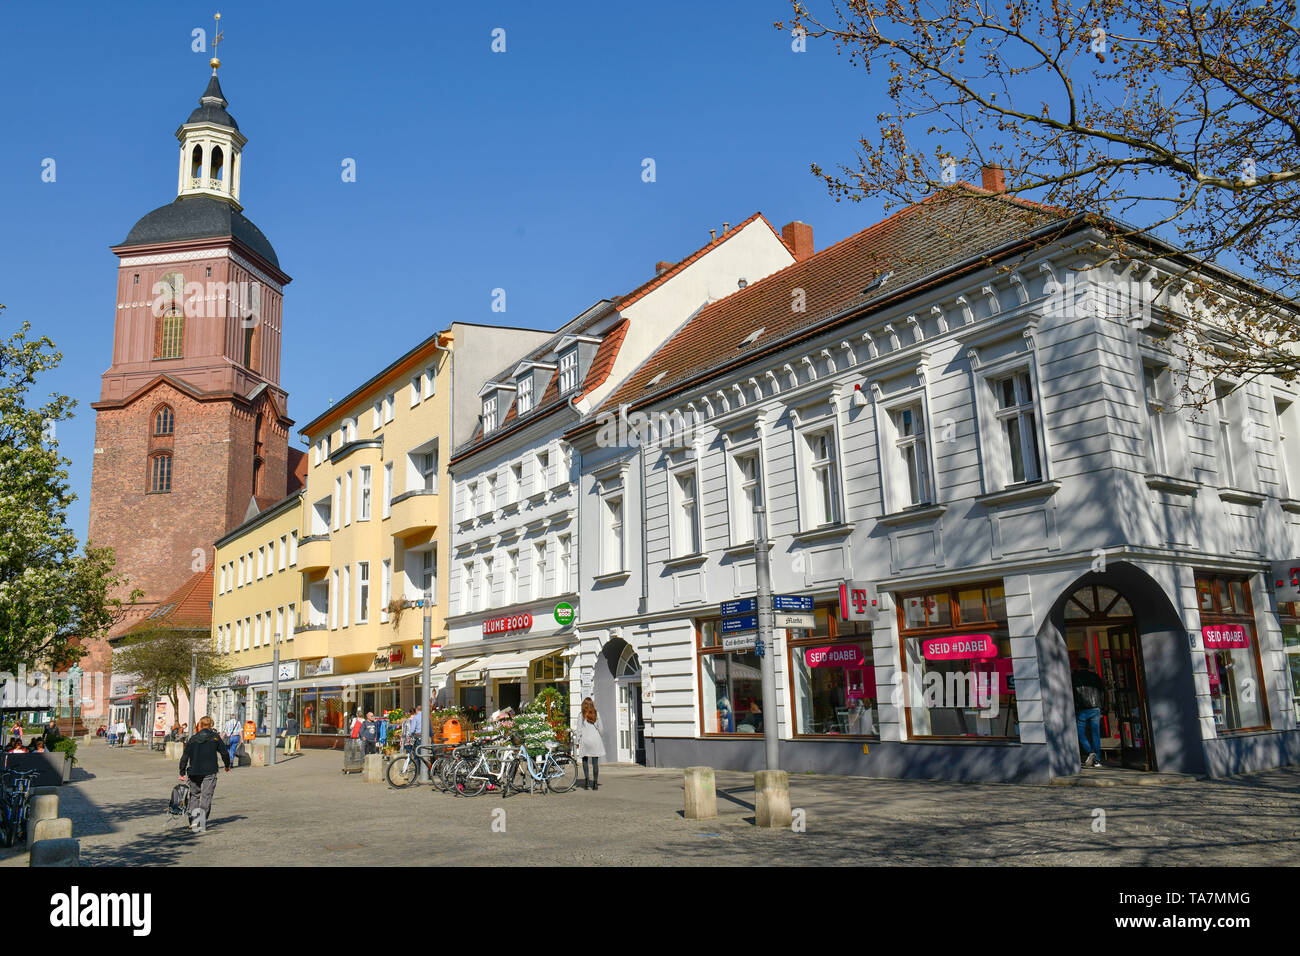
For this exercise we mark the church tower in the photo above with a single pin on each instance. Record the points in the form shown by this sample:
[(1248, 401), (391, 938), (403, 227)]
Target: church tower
[(192, 426)]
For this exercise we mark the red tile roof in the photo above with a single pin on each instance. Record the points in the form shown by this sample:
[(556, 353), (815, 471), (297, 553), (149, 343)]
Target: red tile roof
[(187, 608), (933, 235), (297, 479)]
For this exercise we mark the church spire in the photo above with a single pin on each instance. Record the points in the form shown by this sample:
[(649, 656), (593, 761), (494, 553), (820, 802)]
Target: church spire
[(211, 143)]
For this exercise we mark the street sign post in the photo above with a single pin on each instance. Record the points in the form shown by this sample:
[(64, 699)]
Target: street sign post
[(733, 608), (793, 603), (731, 625)]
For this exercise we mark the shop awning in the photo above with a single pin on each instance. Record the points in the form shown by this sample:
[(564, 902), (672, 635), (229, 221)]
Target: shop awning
[(126, 700), (507, 666), (362, 679)]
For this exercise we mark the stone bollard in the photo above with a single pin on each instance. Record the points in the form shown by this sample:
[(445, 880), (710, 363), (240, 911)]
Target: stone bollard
[(701, 795), (373, 771), (55, 853), (44, 807), (258, 755), (67, 768), (57, 828), (772, 799), (44, 791)]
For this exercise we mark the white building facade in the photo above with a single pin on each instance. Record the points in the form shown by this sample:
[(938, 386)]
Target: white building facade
[(993, 445)]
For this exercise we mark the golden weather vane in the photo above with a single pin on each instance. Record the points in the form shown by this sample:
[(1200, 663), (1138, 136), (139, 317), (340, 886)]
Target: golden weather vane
[(216, 41)]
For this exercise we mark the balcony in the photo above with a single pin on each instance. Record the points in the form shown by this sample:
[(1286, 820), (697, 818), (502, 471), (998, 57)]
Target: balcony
[(314, 553), (413, 513)]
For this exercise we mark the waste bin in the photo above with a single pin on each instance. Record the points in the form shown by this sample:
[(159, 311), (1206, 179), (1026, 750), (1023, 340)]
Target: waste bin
[(354, 755)]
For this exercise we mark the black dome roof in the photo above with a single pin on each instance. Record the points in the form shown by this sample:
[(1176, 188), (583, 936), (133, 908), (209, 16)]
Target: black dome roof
[(200, 217), (212, 107)]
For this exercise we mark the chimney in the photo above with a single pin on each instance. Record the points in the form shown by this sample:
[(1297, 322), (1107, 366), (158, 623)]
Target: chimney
[(662, 267), (798, 238), (993, 179)]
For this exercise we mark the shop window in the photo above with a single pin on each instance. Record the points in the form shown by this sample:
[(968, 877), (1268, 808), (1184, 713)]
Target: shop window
[(1237, 691), (957, 664), (731, 685), (833, 678), (1289, 615)]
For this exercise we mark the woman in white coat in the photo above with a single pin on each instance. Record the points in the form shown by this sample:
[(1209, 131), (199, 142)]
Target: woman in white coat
[(591, 746)]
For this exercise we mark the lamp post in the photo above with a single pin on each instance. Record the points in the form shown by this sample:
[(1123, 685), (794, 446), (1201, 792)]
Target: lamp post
[(194, 689), (275, 697), (763, 608), (426, 680)]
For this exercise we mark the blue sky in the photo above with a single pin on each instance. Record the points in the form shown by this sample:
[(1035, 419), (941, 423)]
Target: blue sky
[(475, 170)]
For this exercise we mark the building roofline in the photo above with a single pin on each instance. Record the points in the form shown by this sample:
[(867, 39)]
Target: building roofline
[(263, 516)]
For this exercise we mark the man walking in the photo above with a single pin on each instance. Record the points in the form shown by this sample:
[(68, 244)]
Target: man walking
[(232, 736), (200, 757), (370, 733), (1089, 698)]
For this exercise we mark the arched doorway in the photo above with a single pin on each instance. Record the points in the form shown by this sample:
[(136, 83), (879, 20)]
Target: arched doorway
[(630, 741), (1101, 630)]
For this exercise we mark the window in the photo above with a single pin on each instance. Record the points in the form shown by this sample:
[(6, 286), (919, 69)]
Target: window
[(1223, 413), (335, 509), (261, 555), (957, 663), (467, 588), (731, 684), (562, 580), (349, 430), (333, 599), (347, 498), (257, 630), (415, 390), (429, 573), (1153, 379), (173, 334), (427, 464), (1237, 691), (1018, 425), (833, 677), (284, 551), (541, 472), (389, 401), (241, 571), (489, 413), (293, 548), (489, 583), (512, 576), (290, 622), (388, 489), (279, 623), (1289, 615), (515, 482), (160, 473), (822, 499), (385, 588), (164, 421), (345, 595), (248, 633), (376, 418), (471, 500), (685, 513), (490, 491), (363, 592), (430, 381), (611, 535), (569, 371), (539, 570), (1287, 447), (911, 457), (363, 493), (745, 474), (524, 394)]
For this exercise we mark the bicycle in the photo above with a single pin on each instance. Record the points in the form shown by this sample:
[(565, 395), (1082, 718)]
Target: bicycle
[(15, 798), (404, 768), (486, 770), (556, 770)]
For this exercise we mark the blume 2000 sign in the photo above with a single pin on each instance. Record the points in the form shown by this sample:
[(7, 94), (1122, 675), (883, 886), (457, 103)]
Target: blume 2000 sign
[(516, 622)]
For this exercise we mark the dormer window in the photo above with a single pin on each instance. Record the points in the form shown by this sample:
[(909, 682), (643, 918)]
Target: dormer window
[(524, 400), (489, 413), (568, 371)]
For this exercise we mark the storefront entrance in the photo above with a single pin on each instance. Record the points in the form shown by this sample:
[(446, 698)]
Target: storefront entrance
[(1101, 631)]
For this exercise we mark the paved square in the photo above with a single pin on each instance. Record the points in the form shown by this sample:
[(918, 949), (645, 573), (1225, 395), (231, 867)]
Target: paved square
[(305, 811)]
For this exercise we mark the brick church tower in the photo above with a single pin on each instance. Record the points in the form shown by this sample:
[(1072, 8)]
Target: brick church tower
[(192, 426)]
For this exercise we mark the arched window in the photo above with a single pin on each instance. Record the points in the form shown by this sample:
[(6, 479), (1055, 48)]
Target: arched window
[(196, 163), (160, 473), (217, 161), (628, 663), (164, 421), (173, 334)]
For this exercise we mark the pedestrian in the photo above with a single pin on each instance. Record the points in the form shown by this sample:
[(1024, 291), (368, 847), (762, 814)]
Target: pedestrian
[(355, 730), (414, 728), (185, 731), (1089, 699), (40, 746), (51, 732), (290, 735), (591, 744), (232, 737), (121, 733), (370, 732), (200, 758)]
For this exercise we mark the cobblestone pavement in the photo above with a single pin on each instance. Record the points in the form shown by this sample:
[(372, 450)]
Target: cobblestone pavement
[(306, 812)]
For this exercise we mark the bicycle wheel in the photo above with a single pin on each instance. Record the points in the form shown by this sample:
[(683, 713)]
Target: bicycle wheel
[(518, 779), (464, 783), (402, 771), (446, 773), (565, 770)]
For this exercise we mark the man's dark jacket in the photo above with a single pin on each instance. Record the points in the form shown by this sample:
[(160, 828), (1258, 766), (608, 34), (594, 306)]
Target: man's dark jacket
[(1089, 691), (201, 753)]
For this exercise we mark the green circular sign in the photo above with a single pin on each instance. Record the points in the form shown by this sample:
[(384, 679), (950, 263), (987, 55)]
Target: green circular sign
[(564, 614)]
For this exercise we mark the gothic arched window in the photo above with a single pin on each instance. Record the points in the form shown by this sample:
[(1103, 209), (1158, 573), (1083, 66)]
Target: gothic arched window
[(217, 162), (196, 163), (164, 421), (160, 473)]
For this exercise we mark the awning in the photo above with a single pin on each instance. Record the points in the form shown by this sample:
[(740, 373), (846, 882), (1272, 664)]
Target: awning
[(125, 700), (508, 666), (360, 679)]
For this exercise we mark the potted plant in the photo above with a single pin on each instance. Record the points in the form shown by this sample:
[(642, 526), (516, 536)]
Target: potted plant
[(392, 742)]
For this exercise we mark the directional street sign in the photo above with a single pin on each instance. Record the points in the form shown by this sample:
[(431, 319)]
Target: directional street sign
[(802, 622), (739, 642), (743, 606), (794, 603), (731, 625)]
